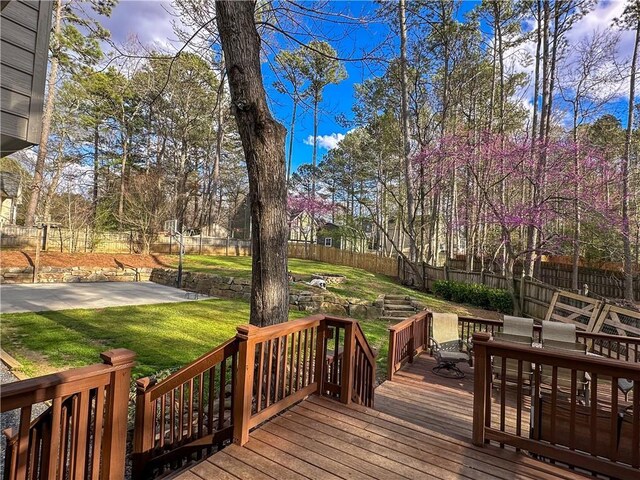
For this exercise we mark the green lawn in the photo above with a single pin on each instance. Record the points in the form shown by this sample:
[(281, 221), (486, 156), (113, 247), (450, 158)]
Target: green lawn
[(168, 336), (164, 336)]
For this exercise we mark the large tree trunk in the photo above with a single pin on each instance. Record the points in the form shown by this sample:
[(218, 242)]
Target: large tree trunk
[(626, 167), (36, 186), (263, 144)]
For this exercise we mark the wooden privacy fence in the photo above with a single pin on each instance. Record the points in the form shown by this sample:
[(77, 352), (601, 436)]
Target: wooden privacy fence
[(256, 375), (365, 261), (82, 434), (605, 283), (88, 241), (548, 412)]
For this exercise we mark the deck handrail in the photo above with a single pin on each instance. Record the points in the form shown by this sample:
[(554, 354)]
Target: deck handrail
[(197, 392), (266, 369), (83, 433), (576, 423), (411, 336)]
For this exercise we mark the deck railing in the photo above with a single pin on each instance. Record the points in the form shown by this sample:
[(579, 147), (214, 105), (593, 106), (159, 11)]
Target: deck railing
[(254, 376), (187, 415), (82, 434), (411, 336), (558, 405)]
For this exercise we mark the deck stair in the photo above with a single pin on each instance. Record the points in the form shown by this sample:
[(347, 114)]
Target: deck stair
[(398, 307)]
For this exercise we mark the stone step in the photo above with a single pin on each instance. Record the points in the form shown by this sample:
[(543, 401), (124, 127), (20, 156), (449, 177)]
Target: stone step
[(396, 297), (397, 314), (402, 303), (403, 307)]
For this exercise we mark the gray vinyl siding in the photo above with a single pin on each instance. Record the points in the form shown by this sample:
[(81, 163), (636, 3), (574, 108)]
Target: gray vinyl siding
[(24, 40)]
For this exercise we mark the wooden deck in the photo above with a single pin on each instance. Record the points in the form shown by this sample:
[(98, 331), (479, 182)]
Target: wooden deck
[(420, 428)]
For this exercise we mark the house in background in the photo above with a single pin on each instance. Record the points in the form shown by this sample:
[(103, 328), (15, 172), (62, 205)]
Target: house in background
[(330, 235), (300, 227), (10, 197), (24, 42)]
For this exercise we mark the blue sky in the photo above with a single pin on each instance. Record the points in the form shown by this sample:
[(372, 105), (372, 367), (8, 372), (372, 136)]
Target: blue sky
[(152, 23)]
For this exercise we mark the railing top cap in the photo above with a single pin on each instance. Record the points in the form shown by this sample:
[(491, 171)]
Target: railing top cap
[(118, 356)]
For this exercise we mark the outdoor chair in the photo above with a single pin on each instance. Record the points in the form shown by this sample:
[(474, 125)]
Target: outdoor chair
[(562, 336), (514, 330), (447, 345)]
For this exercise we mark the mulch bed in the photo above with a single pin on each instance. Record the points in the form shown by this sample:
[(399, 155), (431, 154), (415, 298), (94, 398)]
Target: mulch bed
[(20, 258)]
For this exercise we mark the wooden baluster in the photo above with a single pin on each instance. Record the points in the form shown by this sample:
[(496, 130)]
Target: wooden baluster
[(243, 395), (312, 342), (276, 385), (594, 411), (172, 417), (190, 398), (283, 392), (305, 357), (97, 433), (269, 372), (503, 394), (222, 394), (519, 401), (391, 357), (613, 428), (291, 363), (635, 415), (320, 357), (33, 453), (81, 430), (200, 405), (299, 349), (142, 432), (480, 387), (212, 398), (56, 428), (554, 403), (64, 441), (260, 377), (180, 413), (573, 401), (117, 410)]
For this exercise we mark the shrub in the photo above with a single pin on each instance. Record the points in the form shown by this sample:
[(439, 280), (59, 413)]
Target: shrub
[(442, 288), (475, 294), (500, 300)]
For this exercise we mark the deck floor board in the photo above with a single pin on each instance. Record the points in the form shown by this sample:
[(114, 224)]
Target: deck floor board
[(420, 428)]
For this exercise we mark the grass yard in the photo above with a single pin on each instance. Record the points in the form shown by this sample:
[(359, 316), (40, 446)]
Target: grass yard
[(168, 336), (164, 336)]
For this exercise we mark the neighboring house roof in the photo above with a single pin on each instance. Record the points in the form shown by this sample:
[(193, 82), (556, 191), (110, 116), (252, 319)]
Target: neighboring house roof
[(10, 184)]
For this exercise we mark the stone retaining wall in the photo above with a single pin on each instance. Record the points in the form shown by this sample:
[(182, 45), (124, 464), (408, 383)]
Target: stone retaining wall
[(312, 300), (74, 274)]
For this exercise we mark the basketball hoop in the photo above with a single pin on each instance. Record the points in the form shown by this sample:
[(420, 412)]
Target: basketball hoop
[(171, 226)]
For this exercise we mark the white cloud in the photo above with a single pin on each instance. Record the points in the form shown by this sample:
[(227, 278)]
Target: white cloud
[(328, 142)]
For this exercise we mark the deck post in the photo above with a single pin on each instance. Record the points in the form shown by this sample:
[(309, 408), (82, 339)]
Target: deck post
[(243, 391), (347, 363), (144, 423), (117, 412), (392, 354), (479, 386)]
